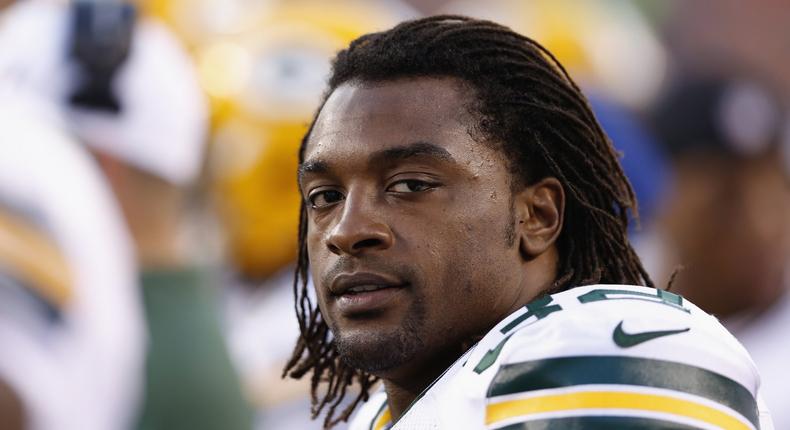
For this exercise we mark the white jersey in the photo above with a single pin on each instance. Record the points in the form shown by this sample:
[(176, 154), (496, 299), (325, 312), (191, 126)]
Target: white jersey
[(763, 336), (593, 357), (75, 357)]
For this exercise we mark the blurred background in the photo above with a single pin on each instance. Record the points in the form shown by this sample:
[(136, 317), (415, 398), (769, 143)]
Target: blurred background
[(148, 202)]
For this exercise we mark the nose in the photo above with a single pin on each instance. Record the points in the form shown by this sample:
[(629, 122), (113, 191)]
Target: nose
[(359, 229)]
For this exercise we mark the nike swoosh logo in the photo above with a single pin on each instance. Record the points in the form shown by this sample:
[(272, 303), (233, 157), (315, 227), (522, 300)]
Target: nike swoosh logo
[(627, 340)]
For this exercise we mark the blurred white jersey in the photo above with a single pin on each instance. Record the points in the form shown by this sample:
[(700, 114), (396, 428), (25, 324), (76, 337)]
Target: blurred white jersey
[(764, 336), (593, 357), (72, 352)]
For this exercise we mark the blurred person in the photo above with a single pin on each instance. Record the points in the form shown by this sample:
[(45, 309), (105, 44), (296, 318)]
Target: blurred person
[(462, 208), (726, 220), (130, 93), (72, 342)]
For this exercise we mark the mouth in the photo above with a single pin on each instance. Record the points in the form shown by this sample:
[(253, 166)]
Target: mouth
[(365, 293), (366, 289)]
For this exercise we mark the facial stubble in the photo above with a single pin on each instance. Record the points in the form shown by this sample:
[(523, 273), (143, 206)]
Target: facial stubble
[(381, 351)]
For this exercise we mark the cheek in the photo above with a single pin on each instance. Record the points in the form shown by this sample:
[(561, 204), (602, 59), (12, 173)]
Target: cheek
[(465, 295), (485, 234), (472, 257)]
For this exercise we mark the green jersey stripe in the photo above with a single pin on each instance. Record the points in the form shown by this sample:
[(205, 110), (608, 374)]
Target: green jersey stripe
[(540, 308), (586, 370), (598, 423)]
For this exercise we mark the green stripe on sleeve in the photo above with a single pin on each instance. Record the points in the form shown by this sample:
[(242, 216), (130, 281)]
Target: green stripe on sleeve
[(586, 370), (598, 423)]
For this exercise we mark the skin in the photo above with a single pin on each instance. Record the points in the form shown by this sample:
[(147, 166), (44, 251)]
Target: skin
[(153, 210), (728, 224), (12, 416), (396, 186)]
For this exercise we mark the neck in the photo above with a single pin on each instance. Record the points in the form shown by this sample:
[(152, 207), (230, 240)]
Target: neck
[(398, 398), (405, 385)]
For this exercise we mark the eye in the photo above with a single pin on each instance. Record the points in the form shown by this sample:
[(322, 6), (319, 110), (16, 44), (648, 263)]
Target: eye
[(410, 186), (321, 199)]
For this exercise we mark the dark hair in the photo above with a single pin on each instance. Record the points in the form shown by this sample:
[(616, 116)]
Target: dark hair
[(528, 105)]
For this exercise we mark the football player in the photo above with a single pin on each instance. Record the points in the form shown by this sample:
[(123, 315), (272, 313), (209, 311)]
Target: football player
[(464, 223), (72, 332), (129, 93)]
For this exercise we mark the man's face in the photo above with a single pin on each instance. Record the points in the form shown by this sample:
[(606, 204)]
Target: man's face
[(410, 223)]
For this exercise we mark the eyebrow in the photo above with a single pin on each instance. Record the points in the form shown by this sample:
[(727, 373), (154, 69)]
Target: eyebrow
[(412, 150), (317, 166), (385, 156)]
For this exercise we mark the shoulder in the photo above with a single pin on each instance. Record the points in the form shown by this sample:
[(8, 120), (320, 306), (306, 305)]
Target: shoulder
[(628, 320), (607, 348)]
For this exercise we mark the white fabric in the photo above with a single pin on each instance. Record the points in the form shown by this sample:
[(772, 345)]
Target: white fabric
[(163, 122), (85, 373), (458, 399), (765, 337)]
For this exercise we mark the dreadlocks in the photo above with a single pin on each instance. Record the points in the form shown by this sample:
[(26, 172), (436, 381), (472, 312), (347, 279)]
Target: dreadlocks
[(529, 107)]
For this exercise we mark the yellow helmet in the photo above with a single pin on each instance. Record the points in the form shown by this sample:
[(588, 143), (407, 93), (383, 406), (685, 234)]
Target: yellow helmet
[(265, 81)]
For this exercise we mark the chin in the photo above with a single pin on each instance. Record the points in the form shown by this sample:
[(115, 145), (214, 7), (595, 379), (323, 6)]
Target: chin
[(379, 346), (379, 352)]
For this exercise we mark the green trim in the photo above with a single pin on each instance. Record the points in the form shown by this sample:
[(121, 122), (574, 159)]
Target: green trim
[(539, 308), (586, 370), (489, 358), (599, 423), (661, 297)]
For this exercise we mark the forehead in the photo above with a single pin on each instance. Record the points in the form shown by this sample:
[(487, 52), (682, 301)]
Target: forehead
[(359, 118)]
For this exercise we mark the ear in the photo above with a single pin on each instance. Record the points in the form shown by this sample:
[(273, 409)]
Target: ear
[(539, 210)]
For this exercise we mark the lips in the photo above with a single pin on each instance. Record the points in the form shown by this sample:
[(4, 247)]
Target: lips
[(365, 288), (360, 293), (362, 282)]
